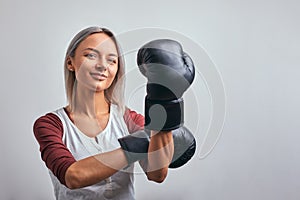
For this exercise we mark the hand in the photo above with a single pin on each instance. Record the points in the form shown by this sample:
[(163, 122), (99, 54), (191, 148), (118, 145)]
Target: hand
[(170, 72), (184, 147)]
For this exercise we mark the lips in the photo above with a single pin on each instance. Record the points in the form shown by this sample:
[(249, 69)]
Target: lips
[(98, 76)]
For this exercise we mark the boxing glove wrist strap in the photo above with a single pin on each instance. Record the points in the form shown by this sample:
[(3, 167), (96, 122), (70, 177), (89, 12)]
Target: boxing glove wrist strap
[(163, 115), (135, 146)]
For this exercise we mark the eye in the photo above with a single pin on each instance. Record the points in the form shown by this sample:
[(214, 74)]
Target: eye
[(112, 61), (91, 56)]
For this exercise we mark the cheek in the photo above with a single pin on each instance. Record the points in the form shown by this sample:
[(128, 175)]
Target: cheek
[(113, 71), (82, 70)]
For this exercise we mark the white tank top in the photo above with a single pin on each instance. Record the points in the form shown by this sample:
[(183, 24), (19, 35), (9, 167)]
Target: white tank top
[(117, 187)]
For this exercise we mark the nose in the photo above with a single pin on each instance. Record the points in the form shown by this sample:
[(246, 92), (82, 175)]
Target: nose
[(101, 65)]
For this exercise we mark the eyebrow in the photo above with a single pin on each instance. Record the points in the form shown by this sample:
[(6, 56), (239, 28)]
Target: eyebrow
[(98, 52)]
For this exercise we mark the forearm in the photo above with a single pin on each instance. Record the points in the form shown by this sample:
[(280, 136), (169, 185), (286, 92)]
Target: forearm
[(94, 169), (160, 153)]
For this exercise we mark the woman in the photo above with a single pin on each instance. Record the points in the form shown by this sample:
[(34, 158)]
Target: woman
[(79, 142)]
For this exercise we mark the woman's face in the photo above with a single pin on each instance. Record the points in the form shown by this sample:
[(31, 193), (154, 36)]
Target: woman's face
[(95, 62)]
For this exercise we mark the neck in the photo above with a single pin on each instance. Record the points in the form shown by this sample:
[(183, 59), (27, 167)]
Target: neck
[(89, 103)]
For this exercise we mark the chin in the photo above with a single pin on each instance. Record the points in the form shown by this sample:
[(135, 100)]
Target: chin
[(101, 87)]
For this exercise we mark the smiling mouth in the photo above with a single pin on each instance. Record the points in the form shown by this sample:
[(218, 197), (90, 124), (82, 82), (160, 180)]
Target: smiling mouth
[(99, 76)]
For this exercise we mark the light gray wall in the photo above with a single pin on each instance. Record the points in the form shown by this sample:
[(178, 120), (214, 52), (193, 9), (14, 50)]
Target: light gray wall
[(254, 45)]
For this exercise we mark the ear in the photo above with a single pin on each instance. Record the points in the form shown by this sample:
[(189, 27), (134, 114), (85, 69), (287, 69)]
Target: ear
[(70, 64)]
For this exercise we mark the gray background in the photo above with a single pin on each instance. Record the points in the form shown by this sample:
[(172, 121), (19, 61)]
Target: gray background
[(255, 46)]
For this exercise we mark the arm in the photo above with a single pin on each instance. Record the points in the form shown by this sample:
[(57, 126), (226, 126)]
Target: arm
[(162, 148), (48, 131), (94, 169), (157, 152), (156, 165), (182, 143)]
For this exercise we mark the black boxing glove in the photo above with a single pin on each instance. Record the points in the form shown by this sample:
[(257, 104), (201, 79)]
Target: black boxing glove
[(135, 146), (184, 147), (170, 72)]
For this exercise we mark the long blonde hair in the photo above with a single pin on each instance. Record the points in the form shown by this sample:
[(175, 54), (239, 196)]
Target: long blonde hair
[(115, 93)]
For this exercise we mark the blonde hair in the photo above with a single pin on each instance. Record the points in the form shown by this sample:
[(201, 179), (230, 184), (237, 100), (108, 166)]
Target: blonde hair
[(115, 93)]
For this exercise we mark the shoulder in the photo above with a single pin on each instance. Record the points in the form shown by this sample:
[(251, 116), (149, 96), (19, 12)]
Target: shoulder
[(50, 119), (48, 123), (134, 116), (133, 120)]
